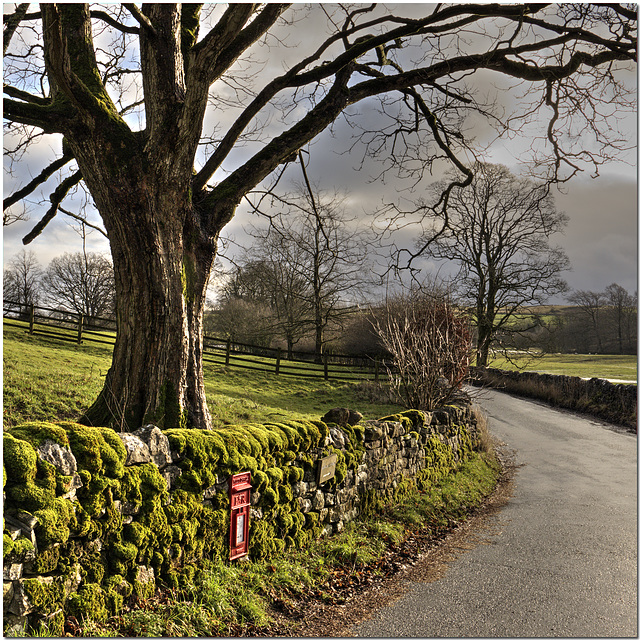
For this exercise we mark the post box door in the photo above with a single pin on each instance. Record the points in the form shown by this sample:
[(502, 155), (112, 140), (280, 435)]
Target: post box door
[(240, 504)]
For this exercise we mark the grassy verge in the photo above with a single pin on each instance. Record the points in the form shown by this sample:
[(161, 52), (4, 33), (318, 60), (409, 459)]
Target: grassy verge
[(271, 597), (614, 367), (46, 379)]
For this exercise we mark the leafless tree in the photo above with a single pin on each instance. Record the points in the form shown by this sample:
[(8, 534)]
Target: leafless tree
[(22, 280), (263, 279), (590, 304), (318, 260), (80, 282), (430, 343), (623, 308), (153, 102), (498, 236), (249, 321)]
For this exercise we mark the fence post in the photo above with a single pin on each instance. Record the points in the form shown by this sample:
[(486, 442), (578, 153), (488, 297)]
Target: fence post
[(278, 362), (377, 369), (32, 317), (80, 323), (326, 366), (228, 354)]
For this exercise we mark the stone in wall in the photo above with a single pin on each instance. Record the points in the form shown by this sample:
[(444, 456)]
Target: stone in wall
[(59, 456)]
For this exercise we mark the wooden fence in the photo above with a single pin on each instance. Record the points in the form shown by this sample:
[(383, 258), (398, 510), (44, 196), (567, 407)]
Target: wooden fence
[(69, 326)]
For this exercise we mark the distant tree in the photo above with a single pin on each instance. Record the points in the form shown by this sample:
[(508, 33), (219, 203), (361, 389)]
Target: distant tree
[(269, 281), (497, 231), (318, 258), (430, 343), (242, 320), (81, 282), (22, 280), (590, 303), (623, 309)]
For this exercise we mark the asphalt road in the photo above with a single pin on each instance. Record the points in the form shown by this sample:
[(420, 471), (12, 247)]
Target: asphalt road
[(559, 559)]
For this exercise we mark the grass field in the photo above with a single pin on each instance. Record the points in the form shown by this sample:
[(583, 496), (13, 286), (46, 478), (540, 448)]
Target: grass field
[(614, 367), (46, 379)]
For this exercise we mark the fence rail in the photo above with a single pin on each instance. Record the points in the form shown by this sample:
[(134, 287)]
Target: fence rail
[(69, 326)]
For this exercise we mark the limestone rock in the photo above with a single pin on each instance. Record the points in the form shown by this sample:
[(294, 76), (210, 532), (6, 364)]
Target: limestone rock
[(137, 451), (339, 437), (171, 473), (12, 571), (7, 594), (342, 416), (59, 456), (157, 443)]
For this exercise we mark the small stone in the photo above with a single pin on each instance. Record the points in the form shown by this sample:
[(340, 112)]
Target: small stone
[(7, 594), (318, 501), (256, 513), (137, 451), (129, 509), (157, 443), (171, 473), (14, 532), (145, 574), (12, 571), (59, 456)]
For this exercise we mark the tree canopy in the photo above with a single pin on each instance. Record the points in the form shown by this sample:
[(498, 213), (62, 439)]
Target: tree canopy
[(165, 115)]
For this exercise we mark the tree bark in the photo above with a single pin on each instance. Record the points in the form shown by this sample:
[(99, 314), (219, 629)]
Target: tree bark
[(161, 276)]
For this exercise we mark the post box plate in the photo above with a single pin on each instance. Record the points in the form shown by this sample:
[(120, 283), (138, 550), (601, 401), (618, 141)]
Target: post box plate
[(327, 468)]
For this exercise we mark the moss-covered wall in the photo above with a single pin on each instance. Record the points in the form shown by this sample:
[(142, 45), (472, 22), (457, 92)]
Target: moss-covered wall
[(93, 517)]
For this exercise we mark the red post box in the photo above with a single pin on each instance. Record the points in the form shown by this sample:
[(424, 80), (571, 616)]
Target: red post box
[(240, 503)]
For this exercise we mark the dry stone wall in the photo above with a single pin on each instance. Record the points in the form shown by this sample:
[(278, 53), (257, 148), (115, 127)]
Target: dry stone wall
[(94, 517), (616, 403)]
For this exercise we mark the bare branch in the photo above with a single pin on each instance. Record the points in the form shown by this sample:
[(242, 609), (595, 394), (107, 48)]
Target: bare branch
[(11, 23), (56, 198), (43, 176)]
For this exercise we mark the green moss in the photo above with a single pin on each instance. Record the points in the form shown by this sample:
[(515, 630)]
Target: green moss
[(88, 603), (7, 545), (275, 475), (97, 450), (54, 523), (45, 597), (29, 497), (37, 432), (46, 561), (20, 459)]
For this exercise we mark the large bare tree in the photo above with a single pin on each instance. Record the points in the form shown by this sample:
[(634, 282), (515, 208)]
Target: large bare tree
[(498, 235), (137, 91)]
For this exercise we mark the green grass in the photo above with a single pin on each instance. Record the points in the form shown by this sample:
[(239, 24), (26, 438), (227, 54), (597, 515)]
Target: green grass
[(583, 365), (47, 379)]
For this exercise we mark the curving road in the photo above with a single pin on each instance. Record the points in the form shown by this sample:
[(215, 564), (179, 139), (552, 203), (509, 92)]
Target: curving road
[(561, 556)]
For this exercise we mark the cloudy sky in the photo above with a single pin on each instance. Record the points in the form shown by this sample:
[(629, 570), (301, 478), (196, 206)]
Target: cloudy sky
[(600, 240)]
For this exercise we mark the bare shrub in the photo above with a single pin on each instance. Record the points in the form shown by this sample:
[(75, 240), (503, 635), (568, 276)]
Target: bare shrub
[(485, 439), (430, 343)]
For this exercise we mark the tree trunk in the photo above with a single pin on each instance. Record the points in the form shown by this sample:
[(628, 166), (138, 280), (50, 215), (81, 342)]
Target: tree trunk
[(161, 267)]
